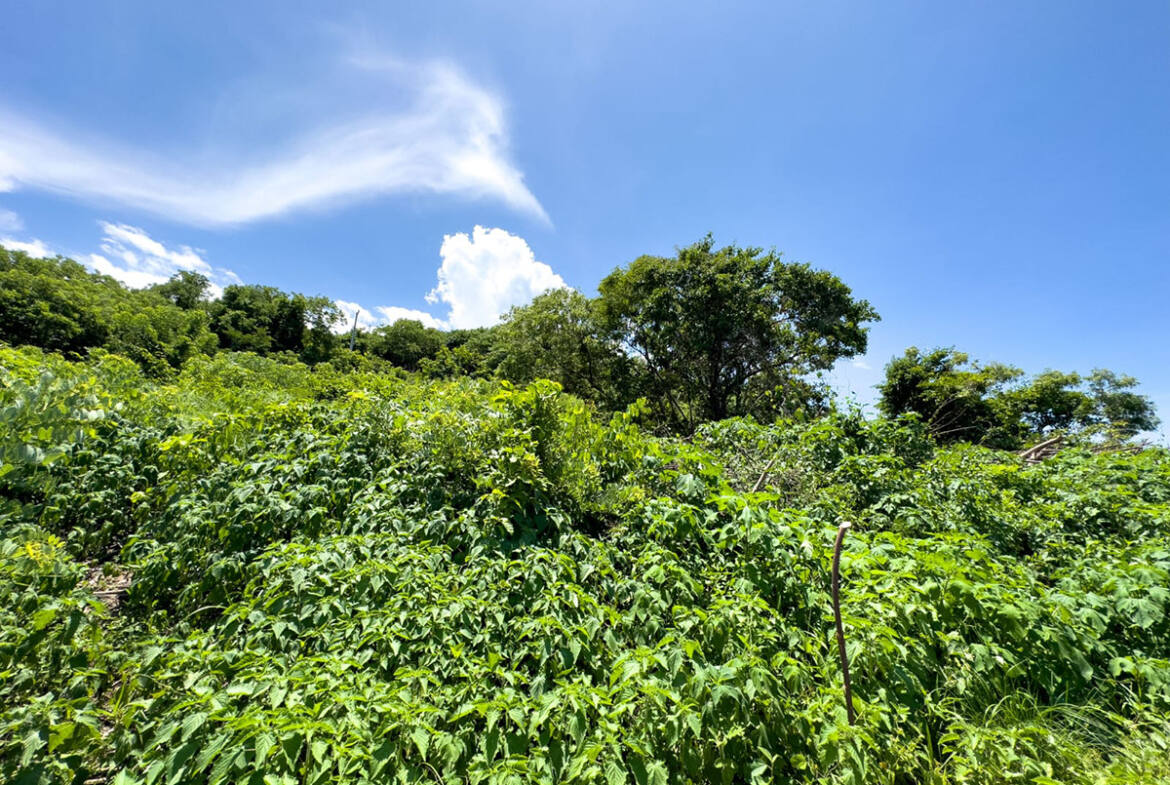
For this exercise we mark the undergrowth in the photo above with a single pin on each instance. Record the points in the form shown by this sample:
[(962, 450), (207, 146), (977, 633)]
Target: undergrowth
[(365, 578)]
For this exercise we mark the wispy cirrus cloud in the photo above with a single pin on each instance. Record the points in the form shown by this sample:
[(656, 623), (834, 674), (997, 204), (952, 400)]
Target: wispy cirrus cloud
[(31, 247), (416, 129), (10, 221), (136, 259)]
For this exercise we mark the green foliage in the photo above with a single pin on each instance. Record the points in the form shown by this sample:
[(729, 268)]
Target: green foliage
[(342, 575), (60, 306), (722, 331), (264, 319), (1117, 405), (405, 343), (711, 333), (994, 405), (557, 336), (186, 289), (53, 659)]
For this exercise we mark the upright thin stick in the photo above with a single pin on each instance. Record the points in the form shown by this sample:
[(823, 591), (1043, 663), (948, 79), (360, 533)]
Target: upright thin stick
[(353, 332), (837, 616)]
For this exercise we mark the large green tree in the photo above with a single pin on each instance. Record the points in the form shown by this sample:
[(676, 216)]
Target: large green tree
[(60, 306), (405, 343), (558, 336), (265, 319), (998, 406), (953, 396), (186, 289), (729, 331)]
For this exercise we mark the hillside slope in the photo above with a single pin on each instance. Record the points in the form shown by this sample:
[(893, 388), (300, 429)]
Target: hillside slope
[(358, 578)]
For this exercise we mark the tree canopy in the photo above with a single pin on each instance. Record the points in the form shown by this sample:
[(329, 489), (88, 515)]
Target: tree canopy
[(557, 336), (706, 334), (723, 332), (997, 405), (60, 306), (266, 319), (405, 343)]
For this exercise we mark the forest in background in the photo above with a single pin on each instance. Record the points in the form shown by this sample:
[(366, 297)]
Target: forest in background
[(708, 334), (591, 544)]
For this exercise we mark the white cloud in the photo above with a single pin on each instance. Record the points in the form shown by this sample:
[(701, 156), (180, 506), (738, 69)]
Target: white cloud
[(858, 362), (484, 275), (481, 276), (10, 221), (32, 247), (136, 259), (366, 320), (446, 135), (392, 313), (386, 314)]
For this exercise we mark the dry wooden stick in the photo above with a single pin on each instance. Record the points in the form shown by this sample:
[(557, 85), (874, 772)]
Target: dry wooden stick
[(764, 475), (837, 616), (1038, 448)]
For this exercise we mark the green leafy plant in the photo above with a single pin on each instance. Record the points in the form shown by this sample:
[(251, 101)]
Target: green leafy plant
[(354, 576)]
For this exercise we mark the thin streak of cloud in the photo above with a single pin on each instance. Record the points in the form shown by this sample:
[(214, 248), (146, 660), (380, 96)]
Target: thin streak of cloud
[(32, 247), (448, 137), (10, 221)]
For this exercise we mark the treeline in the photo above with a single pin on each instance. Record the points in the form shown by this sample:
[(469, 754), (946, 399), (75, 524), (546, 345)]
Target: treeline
[(59, 305), (707, 334), (997, 405)]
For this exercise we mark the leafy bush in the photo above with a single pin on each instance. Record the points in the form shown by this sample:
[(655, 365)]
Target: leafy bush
[(358, 577)]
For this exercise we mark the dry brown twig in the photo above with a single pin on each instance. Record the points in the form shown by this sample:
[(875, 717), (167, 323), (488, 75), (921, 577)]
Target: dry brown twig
[(845, 525), (1038, 452), (764, 474)]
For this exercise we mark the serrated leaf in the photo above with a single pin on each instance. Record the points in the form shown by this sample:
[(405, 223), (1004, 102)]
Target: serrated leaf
[(422, 741), (192, 723), (264, 744), (615, 773)]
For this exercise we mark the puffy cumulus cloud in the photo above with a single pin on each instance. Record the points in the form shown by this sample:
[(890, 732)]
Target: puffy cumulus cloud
[(392, 313), (365, 319), (364, 127), (485, 274), (482, 275), (31, 247), (136, 259), (10, 221)]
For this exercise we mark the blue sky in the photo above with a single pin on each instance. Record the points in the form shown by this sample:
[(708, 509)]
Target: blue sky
[(994, 176)]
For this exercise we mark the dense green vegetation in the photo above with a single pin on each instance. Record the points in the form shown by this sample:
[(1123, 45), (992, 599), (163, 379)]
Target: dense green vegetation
[(995, 405), (591, 544), (708, 334), (357, 577)]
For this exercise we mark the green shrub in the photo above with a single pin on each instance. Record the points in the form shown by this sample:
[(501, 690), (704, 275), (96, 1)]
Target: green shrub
[(354, 577)]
